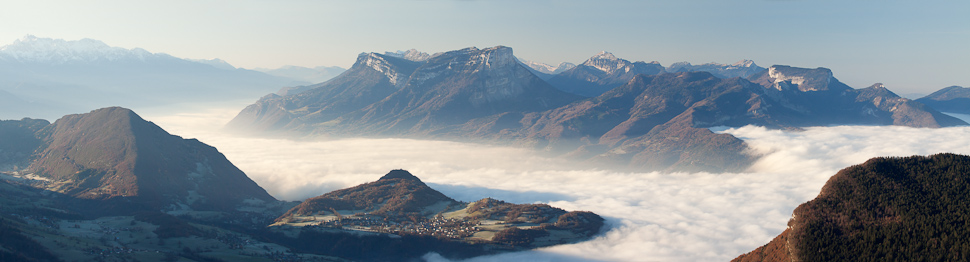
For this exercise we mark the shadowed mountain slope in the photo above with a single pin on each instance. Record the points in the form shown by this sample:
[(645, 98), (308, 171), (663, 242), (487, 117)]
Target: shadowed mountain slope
[(112, 153), (954, 99), (652, 122)]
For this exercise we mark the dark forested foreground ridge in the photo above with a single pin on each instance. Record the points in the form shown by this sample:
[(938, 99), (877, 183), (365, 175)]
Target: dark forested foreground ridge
[(886, 209), (110, 186), (606, 110)]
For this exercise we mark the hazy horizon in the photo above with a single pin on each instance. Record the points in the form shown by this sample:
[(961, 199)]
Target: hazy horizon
[(911, 47)]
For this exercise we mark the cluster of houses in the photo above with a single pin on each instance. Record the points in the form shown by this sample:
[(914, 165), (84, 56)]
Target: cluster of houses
[(437, 227)]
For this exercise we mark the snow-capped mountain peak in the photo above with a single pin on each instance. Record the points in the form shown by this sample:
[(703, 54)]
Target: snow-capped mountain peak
[(412, 54), (605, 55), (606, 62), (744, 63), (59, 51), (546, 68)]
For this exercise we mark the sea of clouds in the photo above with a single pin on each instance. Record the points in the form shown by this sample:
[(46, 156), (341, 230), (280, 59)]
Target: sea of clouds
[(651, 216)]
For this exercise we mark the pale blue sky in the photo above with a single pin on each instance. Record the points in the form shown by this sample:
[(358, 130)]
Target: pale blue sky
[(911, 46)]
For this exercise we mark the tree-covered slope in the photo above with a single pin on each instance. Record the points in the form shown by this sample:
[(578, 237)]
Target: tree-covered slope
[(886, 209)]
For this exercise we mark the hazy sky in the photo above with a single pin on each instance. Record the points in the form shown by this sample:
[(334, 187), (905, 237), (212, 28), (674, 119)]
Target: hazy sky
[(911, 46)]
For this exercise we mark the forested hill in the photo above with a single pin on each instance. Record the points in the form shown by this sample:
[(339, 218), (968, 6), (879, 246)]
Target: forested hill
[(886, 209)]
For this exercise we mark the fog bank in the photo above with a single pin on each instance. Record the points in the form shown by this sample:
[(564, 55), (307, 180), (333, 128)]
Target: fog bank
[(653, 216)]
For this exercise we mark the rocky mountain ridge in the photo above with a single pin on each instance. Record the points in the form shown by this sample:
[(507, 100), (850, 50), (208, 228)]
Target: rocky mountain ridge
[(652, 120), (32, 49)]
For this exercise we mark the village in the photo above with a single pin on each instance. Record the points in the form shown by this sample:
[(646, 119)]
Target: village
[(441, 227)]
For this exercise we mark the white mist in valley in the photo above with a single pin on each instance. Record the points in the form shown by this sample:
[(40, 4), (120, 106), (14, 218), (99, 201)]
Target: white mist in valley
[(651, 216)]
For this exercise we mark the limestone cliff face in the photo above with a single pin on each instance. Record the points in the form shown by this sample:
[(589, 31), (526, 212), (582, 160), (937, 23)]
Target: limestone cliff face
[(372, 78), (454, 87), (383, 94)]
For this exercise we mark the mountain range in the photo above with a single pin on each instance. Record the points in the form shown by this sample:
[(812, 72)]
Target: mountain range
[(640, 116), (48, 78), (742, 69), (886, 209), (388, 95)]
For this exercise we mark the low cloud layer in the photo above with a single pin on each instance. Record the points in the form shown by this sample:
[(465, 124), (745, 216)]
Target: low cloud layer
[(653, 216)]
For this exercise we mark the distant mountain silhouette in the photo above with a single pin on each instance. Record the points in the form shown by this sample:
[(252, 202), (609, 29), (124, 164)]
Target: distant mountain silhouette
[(19, 141), (954, 99), (886, 209), (545, 71), (601, 73), (54, 77), (742, 69), (309, 75)]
